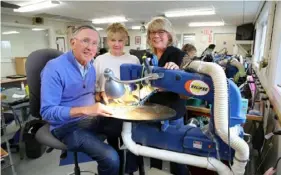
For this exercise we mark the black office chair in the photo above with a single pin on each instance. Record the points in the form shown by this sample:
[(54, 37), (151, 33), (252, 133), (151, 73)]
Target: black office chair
[(34, 65), (140, 54)]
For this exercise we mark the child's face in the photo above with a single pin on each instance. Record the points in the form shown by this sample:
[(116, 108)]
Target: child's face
[(116, 44)]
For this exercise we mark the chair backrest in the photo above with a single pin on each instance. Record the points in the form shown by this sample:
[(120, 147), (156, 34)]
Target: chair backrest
[(35, 62)]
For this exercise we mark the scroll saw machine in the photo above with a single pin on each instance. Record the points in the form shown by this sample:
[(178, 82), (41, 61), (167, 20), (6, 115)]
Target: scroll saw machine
[(185, 144)]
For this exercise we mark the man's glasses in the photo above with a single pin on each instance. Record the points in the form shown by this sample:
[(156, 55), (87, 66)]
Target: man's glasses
[(86, 42)]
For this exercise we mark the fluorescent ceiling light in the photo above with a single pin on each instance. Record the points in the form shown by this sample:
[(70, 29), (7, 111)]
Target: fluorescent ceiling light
[(37, 6), (10, 32), (38, 29), (203, 24), (189, 36), (190, 12), (99, 28), (109, 20), (136, 27)]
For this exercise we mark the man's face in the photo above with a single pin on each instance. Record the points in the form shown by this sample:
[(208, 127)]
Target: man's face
[(84, 45)]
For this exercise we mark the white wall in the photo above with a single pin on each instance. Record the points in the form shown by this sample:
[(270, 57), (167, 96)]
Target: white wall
[(267, 76), (201, 39), (19, 45), (58, 28), (23, 43), (132, 34), (55, 28)]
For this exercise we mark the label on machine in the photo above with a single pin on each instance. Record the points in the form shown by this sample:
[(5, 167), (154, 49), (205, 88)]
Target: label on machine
[(197, 87), (197, 144)]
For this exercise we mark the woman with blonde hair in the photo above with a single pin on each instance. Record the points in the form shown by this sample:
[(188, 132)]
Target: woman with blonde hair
[(161, 39), (117, 36)]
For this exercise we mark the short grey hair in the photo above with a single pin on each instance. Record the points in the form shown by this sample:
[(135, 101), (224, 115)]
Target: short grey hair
[(82, 27)]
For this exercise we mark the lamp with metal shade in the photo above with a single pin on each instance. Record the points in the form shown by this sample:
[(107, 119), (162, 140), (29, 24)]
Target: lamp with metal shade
[(114, 88)]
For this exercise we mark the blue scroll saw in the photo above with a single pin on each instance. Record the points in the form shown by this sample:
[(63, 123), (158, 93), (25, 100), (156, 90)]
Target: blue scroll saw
[(186, 144)]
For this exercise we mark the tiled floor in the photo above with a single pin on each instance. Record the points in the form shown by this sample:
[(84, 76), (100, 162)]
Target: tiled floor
[(48, 165)]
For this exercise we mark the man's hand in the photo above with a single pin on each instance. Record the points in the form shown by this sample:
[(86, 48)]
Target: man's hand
[(96, 110), (171, 65)]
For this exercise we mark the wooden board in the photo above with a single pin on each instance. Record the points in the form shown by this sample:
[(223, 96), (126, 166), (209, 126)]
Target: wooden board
[(147, 112)]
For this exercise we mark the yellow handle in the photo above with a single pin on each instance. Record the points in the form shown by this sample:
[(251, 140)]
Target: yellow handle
[(27, 90)]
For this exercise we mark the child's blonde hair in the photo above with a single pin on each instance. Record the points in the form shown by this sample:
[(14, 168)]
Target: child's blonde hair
[(117, 28)]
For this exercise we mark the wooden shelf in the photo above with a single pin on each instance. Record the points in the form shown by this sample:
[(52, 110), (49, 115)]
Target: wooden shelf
[(8, 80), (244, 42), (206, 112)]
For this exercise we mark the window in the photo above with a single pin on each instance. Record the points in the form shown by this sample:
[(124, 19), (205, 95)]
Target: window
[(262, 45), (179, 43), (189, 39), (277, 73), (20, 41), (261, 32), (260, 42)]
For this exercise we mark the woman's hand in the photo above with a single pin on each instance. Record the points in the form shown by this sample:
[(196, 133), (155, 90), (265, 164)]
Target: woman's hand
[(104, 97), (98, 97), (101, 96), (270, 171), (171, 65)]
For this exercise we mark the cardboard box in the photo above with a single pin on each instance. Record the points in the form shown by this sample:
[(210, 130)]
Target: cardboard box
[(20, 65)]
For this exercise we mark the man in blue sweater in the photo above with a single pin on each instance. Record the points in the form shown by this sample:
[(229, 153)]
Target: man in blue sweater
[(67, 102)]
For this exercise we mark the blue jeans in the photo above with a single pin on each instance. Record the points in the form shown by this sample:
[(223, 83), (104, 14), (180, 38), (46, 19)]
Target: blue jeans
[(82, 136)]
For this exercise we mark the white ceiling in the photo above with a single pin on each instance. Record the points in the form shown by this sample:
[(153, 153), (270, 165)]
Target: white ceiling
[(231, 12)]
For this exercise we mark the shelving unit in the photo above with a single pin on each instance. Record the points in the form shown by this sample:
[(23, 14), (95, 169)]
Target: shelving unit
[(245, 46), (4, 139)]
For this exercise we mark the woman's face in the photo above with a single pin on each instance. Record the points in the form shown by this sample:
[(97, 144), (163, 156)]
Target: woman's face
[(116, 44), (159, 39)]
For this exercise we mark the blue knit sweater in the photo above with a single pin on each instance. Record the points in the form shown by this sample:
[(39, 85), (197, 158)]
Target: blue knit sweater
[(63, 87)]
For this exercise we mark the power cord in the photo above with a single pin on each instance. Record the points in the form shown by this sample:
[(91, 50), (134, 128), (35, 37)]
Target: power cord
[(211, 162), (264, 158), (276, 164)]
